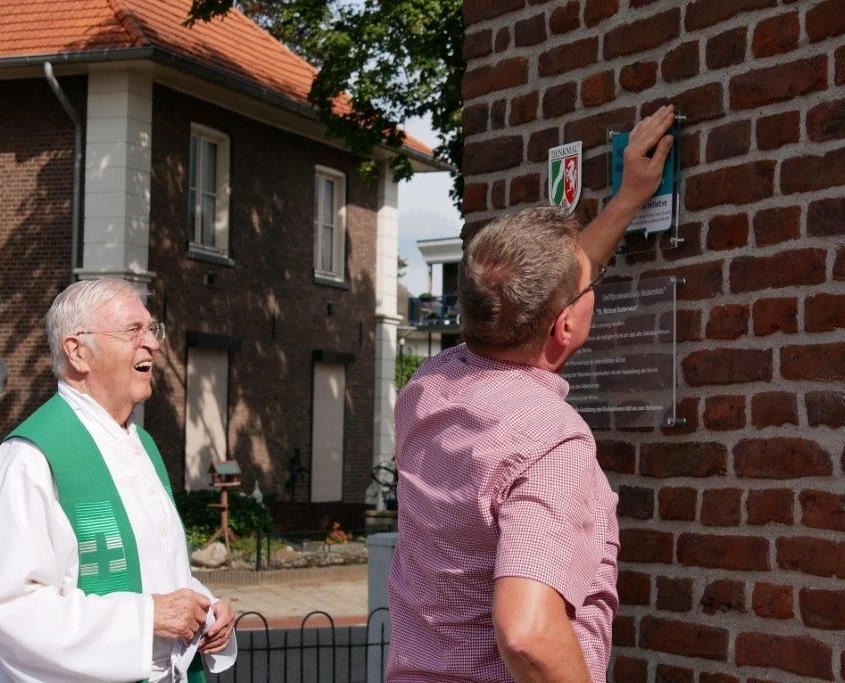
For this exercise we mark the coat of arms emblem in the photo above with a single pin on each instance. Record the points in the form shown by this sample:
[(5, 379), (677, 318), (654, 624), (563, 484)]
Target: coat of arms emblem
[(565, 175)]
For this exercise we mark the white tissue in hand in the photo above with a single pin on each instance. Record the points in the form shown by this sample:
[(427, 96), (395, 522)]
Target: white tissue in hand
[(183, 653)]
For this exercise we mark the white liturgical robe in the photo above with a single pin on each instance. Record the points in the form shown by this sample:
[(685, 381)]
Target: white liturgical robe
[(50, 632)]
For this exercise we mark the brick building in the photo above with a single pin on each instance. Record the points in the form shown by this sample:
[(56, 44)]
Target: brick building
[(733, 551), (204, 176)]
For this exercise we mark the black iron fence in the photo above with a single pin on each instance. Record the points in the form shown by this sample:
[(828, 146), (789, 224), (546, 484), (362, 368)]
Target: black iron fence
[(316, 651)]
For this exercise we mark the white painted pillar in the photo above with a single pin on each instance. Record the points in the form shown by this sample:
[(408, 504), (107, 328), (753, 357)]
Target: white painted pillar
[(118, 162), (387, 321)]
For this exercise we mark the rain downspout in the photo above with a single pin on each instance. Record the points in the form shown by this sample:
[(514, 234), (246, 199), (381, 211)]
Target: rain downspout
[(77, 166)]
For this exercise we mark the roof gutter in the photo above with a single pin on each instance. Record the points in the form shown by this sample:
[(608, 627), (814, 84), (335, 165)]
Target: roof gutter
[(190, 66), (77, 168)]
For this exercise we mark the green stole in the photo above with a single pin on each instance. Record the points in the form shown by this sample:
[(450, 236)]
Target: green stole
[(108, 553)]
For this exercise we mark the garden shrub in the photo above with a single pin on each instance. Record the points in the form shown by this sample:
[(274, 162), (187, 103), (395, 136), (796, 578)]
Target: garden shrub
[(246, 515)]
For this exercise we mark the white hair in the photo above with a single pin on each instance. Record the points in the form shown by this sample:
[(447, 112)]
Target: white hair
[(73, 311)]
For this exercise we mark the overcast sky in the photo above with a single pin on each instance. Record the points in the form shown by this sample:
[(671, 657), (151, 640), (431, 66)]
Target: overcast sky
[(425, 212)]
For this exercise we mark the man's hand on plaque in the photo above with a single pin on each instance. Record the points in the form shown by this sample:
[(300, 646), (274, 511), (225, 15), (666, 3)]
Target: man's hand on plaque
[(648, 146)]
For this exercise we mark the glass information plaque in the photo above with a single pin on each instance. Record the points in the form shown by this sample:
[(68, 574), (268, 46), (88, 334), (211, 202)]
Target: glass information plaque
[(624, 376)]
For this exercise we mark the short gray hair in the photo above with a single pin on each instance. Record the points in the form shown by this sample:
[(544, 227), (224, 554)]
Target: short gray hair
[(516, 274), (73, 311)]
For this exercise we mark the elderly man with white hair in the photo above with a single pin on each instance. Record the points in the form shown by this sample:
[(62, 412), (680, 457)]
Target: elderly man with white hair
[(95, 582)]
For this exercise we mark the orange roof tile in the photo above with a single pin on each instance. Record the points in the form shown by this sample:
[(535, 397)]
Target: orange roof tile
[(233, 44)]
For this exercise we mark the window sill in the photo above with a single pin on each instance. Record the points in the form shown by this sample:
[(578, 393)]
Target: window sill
[(200, 253), (329, 281)]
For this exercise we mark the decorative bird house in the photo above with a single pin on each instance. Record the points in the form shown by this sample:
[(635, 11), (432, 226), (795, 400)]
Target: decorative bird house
[(225, 474)]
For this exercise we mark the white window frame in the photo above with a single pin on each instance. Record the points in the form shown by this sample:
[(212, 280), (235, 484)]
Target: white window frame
[(337, 272), (221, 197)]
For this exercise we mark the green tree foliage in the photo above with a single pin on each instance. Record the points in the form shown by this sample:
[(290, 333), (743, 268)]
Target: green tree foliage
[(406, 365), (395, 59)]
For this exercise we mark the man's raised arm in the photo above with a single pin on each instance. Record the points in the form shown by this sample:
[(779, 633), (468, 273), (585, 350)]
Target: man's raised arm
[(645, 156)]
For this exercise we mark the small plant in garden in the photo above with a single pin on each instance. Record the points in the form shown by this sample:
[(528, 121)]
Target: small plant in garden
[(338, 535)]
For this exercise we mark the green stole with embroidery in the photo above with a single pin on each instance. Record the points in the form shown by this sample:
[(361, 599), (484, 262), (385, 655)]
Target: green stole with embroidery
[(108, 553)]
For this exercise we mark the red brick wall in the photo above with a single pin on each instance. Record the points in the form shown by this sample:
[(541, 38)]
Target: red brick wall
[(732, 553), (268, 299), (36, 189)]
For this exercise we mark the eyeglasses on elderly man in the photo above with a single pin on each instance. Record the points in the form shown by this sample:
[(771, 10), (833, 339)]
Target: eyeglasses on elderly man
[(134, 334)]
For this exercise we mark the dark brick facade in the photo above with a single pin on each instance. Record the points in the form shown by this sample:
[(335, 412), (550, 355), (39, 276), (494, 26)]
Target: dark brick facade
[(266, 305), (36, 187)]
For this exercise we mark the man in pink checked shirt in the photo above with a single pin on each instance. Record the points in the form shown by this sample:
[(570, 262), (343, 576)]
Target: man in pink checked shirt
[(505, 567)]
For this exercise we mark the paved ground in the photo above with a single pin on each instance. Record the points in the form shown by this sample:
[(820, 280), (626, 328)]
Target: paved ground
[(284, 597)]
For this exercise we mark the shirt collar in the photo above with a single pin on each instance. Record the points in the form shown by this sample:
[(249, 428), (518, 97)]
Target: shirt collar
[(549, 380), (93, 411)]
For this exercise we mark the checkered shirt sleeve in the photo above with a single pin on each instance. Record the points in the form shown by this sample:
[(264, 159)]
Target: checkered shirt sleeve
[(557, 526)]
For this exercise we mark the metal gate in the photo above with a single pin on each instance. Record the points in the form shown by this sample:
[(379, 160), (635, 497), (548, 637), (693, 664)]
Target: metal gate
[(317, 651)]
